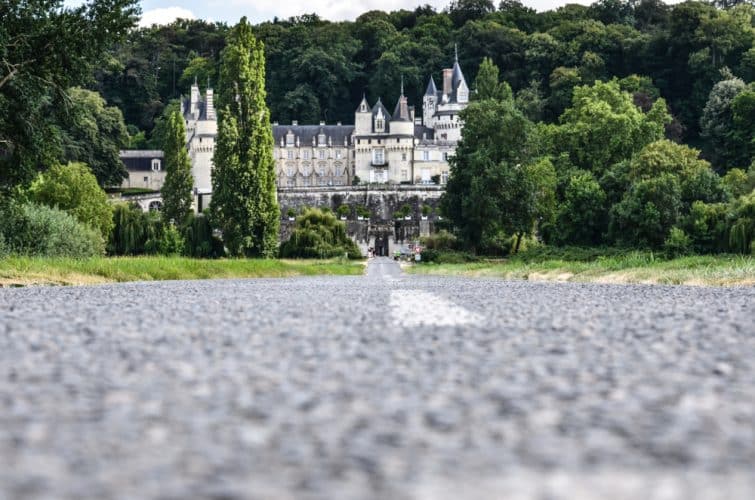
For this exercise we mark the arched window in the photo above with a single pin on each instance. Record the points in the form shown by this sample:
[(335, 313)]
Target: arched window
[(155, 206)]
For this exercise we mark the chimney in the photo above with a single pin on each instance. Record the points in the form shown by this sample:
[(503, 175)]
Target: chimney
[(338, 123), (295, 123), (322, 123), (210, 105), (447, 79), (275, 124)]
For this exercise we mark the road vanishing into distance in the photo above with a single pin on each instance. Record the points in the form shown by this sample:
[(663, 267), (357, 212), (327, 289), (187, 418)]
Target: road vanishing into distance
[(383, 386)]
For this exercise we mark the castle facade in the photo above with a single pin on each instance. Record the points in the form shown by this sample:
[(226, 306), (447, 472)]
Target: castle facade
[(380, 147)]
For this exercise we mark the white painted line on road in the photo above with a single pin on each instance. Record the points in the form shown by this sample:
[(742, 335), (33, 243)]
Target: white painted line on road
[(411, 308)]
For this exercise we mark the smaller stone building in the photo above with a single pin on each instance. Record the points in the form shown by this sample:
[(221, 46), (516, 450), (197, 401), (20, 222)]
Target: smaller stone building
[(145, 169)]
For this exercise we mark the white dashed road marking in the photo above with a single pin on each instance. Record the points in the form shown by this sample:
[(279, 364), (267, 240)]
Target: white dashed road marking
[(416, 307)]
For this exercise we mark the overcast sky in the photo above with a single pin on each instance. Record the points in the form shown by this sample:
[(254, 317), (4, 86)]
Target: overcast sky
[(165, 11)]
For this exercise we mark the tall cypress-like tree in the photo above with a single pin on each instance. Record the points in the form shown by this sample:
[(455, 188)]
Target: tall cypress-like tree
[(244, 198), (176, 191)]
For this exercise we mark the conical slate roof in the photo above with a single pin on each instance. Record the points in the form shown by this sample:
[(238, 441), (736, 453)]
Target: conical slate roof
[(431, 88)]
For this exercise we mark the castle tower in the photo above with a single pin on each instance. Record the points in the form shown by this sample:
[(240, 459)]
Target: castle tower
[(429, 103), (363, 118)]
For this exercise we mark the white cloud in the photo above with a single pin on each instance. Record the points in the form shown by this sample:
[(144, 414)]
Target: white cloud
[(165, 15), (334, 10)]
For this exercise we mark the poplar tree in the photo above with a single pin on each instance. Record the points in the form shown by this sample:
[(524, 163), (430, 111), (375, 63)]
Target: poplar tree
[(176, 191), (487, 85), (244, 199)]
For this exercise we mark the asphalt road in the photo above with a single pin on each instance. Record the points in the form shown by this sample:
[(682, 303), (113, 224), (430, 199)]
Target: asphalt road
[(384, 386)]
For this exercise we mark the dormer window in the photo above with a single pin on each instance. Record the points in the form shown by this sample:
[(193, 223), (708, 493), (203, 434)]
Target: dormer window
[(289, 139), (321, 139), (379, 125), (156, 165)]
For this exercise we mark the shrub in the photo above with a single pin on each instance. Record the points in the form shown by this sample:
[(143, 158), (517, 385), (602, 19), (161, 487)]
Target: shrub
[(318, 234), (38, 230), (130, 231), (74, 189), (708, 227), (344, 211), (647, 212), (363, 211), (355, 180), (677, 243), (402, 212), (447, 257), (291, 212), (742, 219), (426, 210), (442, 240), (136, 232), (198, 238)]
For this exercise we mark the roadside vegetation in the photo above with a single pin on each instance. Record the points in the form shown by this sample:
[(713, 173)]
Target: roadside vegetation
[(24, 271), (590, 265)]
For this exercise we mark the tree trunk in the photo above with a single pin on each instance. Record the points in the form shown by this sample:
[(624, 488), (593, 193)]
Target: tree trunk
[(518, 242)]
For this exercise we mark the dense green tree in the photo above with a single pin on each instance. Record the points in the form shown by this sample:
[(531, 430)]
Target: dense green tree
[(742, 224), (74, 189), (176, 191), (462, 11), (200, 70), (582, 217), (717, 122), (487, 85), (648, 211), (45, 49), (491, 187), (244, 200), (603, 126), (94, 133)]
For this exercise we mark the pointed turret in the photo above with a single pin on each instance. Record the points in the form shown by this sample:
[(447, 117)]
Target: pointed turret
[(431, 90), (401, 112), (364, 106)]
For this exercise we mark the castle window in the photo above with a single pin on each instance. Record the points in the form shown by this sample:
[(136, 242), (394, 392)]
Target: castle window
[(404, 175), (445, 156), (305, 154), (321, 154), (290, 154), (403, 156), (398, 140), (338, 154), (156, 165), (444, 177), (378, 124), (426, 155), (289, 139), (321, 139), (378, 156)]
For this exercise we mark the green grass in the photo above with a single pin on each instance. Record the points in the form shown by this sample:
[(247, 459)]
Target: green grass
[(632, 267), (20, 271)]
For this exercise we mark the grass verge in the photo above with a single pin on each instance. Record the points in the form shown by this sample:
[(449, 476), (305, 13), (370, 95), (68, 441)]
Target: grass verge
[(633, 267), (23, 271)]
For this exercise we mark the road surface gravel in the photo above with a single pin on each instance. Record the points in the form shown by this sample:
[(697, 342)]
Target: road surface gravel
[(383, 386)]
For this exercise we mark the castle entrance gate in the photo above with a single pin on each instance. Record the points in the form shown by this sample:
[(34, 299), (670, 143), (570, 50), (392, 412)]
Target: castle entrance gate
[(381, 245)]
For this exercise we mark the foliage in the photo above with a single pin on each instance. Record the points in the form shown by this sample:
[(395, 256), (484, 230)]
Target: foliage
[(47, 48), (738, 182), (403, 211), (244, 196), (447, 256), (319, 235), (94, 133), (176, 191), (442, 240), (582, 217), (742, 220), (199, 240), (708, 227), (38, 230), (647, 212), (603, 127), (489, 186), (137, 232), (487, 85), (363, 211), (74, 189), (677, 243), (725, 148), (344, 211)]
